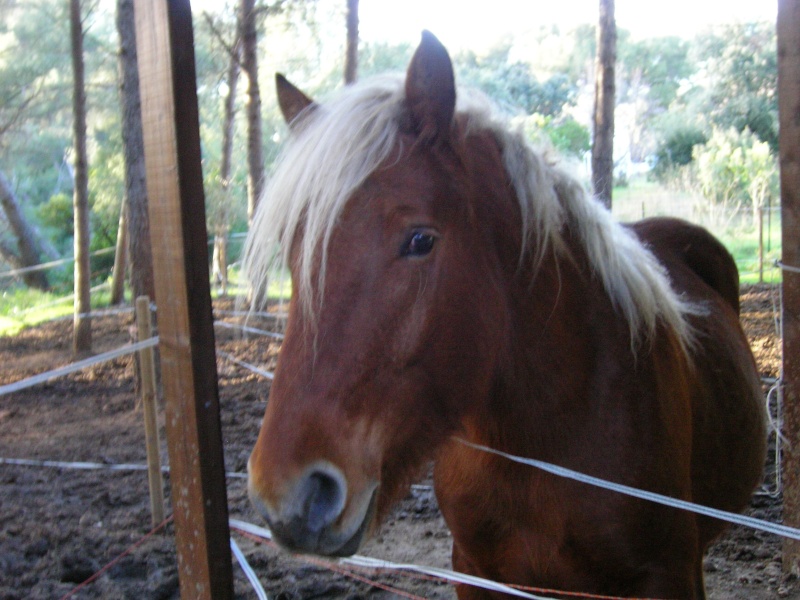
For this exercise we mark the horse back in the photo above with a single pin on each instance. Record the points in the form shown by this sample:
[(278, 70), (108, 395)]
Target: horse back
[(674, 240)]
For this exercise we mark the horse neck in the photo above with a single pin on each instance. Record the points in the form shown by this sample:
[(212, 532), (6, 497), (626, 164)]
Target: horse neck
[(565, 335)]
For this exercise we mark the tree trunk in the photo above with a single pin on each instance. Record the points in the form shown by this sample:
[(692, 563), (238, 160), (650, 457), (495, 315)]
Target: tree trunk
[(603, 143), (219, 262), (229, 117), (82, 332), (351, 58), (220, 254), (139, 250), (28, 241), (255, 158), (789, 145), (120, 257)]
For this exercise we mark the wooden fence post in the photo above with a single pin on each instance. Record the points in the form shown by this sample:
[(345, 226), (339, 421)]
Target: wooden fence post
[(789, 109), (170, 123), (147, 370)]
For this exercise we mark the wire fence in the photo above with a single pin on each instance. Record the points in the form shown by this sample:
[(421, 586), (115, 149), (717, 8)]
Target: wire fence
[(361, 562), (773, 399)]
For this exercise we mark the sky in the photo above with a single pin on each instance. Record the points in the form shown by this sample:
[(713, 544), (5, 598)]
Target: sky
[(469, 24), (462, 24)]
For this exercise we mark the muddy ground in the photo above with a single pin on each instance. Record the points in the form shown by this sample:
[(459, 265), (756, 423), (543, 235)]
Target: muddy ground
[(59, 526)]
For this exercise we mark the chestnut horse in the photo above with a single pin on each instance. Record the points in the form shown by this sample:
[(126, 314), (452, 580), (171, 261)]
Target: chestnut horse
[(450, 282)]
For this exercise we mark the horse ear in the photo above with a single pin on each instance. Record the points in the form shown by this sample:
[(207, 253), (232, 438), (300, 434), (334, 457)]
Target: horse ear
[(292, 101), (430, 89)]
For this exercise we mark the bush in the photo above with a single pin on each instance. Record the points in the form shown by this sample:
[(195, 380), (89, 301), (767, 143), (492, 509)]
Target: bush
[(676, 150), (565, 134), (56, 216), (734, 167), (569, 137)]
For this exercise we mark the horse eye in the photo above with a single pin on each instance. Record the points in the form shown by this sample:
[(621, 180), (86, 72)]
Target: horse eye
[(418, 244)]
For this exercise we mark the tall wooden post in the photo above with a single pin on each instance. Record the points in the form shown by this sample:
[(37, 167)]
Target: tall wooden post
[(604, 104), (178, 232), (789, 109)]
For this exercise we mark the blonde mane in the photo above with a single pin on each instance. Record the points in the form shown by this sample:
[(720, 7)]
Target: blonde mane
[(339, 144)]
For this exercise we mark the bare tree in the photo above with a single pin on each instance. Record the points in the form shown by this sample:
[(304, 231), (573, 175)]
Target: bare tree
[(221, 230), (29, 243), (120, 257), (255, 153), (351, 57), (138, 221), (218, 207), (229, 117), (82, 332), (604, 90)]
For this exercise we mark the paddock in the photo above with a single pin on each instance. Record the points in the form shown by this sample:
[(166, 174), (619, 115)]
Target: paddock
[(63, 523), (53, 494)]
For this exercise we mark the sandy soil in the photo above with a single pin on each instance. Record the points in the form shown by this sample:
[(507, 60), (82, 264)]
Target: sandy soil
[(60, 526)]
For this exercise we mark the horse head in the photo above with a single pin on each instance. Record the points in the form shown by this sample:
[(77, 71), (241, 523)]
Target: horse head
[(398, 315)]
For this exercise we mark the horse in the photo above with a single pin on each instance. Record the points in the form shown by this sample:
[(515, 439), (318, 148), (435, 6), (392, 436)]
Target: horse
[(452, 284)]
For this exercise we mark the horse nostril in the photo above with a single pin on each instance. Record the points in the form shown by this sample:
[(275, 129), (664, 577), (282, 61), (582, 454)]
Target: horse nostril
[(323, 494)]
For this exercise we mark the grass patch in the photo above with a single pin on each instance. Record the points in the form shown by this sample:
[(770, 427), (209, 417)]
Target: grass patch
[(279, 286), (22, 307), (734, 228)]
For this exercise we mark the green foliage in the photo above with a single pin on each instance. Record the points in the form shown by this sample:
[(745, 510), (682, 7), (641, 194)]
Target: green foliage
[(735, 167), (226, 206), (676, 91), (578, 64), (565, 135), (659, 65), (741, 61), (677, 149), (34, 83), (510, 83), (106, 186), (56, 215), (753, 112), (36, 116), (569, 137), (720, 135), (383, 58), (513, 83), (551, 96)]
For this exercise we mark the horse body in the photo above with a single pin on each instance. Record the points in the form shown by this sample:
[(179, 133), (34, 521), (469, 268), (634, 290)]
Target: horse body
[(433, 302), (563, 398)]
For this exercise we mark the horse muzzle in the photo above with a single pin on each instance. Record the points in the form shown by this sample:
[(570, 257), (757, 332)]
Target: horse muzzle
[(314, 514)]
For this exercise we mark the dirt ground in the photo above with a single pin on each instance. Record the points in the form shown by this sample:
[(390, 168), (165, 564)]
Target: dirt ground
[(59, 526)]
